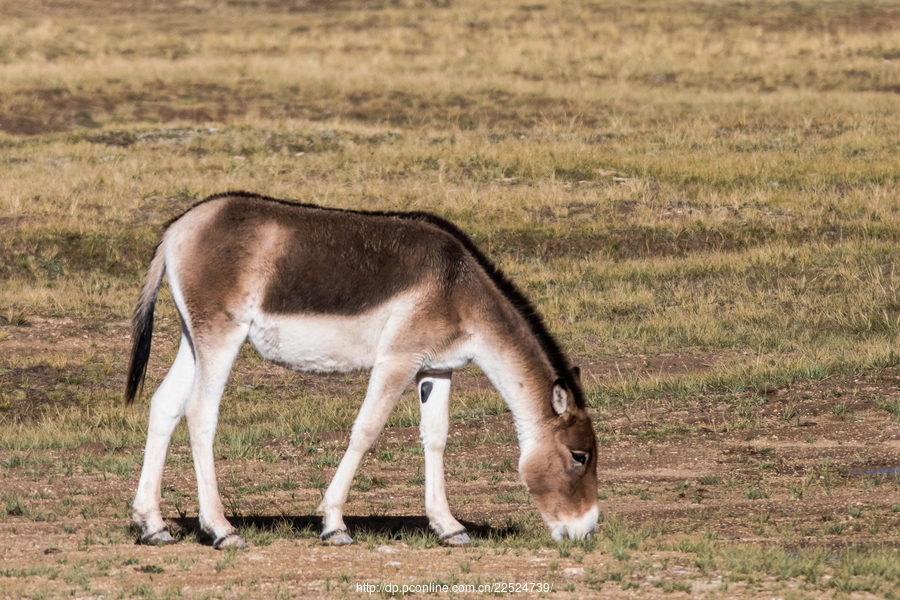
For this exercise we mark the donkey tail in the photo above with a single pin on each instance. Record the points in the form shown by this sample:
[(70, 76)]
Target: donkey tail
[(142, 326)]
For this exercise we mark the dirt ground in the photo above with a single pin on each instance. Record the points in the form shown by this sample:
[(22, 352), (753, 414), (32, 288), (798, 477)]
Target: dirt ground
[(815, 466)]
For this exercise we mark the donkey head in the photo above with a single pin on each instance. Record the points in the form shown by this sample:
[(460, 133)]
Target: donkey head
[(560, 470)]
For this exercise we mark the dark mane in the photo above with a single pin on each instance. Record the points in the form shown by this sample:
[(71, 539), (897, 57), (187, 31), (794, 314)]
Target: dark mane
[(549, 345), (557, 358)]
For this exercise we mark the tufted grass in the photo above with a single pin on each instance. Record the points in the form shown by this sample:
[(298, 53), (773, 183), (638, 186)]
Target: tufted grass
[(662, 178)]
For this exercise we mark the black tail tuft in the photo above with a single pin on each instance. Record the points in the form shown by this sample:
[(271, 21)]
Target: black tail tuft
[(142, 336), (142, 327)]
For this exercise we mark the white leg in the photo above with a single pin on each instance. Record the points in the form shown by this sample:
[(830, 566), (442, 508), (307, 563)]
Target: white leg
[(202, 412), (166, 410), (385, 386), (434, 401)]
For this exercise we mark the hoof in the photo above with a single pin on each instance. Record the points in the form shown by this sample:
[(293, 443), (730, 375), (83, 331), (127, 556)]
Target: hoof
[(229, 540), (460, 538), (160, 538), (338, 537)]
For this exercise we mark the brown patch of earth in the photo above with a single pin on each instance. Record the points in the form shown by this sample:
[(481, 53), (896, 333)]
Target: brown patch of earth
[(812, 465)]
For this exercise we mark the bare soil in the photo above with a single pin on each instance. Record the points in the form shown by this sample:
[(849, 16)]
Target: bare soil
[(816, 466)]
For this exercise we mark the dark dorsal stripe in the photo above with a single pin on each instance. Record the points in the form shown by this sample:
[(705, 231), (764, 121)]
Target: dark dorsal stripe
[(558, 360)]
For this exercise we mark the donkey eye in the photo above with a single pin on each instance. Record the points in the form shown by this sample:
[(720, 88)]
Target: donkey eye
[(579, 457)]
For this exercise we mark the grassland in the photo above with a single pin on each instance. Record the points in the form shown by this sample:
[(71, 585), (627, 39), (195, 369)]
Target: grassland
[(712, 185)]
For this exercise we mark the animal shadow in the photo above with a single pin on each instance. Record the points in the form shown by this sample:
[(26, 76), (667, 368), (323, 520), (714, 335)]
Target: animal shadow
[(390, 527)]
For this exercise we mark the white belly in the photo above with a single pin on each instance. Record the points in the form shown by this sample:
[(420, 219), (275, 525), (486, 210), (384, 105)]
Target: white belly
[(342, 344), (321, 343)]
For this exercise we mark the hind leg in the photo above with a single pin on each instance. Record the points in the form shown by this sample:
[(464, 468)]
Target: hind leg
[(202, 412), (166, 410), (434, 397)]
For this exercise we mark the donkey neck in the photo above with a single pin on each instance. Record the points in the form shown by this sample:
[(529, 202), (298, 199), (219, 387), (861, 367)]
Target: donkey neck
[(517, 366)]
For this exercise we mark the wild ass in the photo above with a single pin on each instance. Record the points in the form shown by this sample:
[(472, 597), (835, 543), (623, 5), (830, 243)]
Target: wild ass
[(407, 295)]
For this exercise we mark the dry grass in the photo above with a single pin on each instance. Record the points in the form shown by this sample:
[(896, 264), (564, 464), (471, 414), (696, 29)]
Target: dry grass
[(658, 177)]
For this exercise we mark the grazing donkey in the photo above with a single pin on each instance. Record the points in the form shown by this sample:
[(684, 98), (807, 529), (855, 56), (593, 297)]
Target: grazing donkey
[(407, 295)]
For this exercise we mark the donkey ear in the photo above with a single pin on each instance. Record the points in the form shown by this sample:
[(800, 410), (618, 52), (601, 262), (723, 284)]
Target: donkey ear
[(560, 398), (576, 374)]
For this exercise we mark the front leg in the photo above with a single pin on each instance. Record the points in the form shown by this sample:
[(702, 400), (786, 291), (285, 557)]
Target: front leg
[(388, 380), (434, 403)]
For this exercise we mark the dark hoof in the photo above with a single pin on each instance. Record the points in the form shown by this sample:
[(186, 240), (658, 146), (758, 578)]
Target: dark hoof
[(160, 538), (338, 537), (231, 539), (460, 538)]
